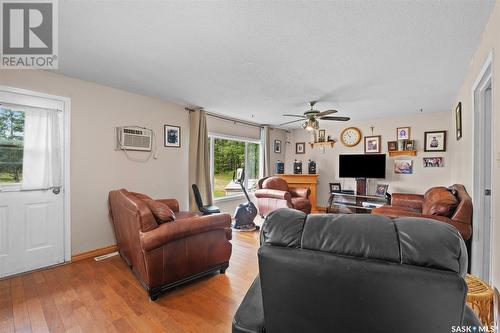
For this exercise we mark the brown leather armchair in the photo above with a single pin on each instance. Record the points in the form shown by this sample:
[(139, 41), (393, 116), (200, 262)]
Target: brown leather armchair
[(273, 193), (165, 247), (451, 205)]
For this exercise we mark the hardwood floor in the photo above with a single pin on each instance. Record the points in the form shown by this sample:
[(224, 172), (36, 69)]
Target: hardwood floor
[(90, 296)]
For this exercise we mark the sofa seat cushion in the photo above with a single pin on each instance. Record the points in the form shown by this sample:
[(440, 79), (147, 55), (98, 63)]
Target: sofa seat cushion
[(439, 201), (250, 315), (161, 211)]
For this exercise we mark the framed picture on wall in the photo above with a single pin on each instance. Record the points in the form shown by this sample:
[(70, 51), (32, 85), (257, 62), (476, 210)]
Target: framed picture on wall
[(277, 146), (433, 162), (409, 144), (458, 120), (300, 148), (403, 167), (392, 145), (372, 144), (435, 141), (321, 135), (172, 136), (403, 133)]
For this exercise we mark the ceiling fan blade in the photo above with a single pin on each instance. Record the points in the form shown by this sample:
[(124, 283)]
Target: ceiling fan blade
[(336, 118), (326, 112), (293, 115), (293, 121)]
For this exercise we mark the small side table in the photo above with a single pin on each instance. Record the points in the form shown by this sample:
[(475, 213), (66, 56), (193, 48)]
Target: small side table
[(480, 299)]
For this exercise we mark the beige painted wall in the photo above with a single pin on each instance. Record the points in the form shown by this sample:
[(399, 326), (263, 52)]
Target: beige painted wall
[(421, 179), (96, 168), (490, 43)]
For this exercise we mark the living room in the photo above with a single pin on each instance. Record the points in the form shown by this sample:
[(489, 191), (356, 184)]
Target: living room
[(208, 86)]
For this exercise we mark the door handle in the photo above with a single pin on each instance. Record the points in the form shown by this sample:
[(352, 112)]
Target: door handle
[(487, 192), (56, 190)]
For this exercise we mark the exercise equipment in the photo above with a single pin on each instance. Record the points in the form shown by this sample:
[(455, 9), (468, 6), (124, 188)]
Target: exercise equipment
[(245, 212)]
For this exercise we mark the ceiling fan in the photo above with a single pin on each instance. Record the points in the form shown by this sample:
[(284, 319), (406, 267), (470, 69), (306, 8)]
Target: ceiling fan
[(311, 116)]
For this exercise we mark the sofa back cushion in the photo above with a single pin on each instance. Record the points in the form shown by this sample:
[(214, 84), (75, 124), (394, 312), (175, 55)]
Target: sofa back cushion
[(358, 258), (439, 201), (275, 183)]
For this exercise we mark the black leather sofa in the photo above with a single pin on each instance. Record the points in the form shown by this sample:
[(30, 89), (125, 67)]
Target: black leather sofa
[(356, 273)]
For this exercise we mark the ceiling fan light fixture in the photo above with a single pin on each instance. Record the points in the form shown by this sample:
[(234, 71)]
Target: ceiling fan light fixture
[(310, 118), (316, 124), (310, 124)]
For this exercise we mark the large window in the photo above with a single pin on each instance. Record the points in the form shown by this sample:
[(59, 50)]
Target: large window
[(228, 154), (11, 146)]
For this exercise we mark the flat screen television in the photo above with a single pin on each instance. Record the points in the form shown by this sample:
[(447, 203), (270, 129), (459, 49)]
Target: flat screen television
[(362, 166)]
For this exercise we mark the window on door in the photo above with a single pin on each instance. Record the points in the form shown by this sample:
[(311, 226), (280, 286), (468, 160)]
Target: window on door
[(228, 154), (11, 146)]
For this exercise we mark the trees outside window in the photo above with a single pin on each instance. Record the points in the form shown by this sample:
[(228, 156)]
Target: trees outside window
[(11, 146), (227, 156)]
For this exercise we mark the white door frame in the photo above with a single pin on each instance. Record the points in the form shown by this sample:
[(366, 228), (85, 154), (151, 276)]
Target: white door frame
[(64, 103), (482, 239)]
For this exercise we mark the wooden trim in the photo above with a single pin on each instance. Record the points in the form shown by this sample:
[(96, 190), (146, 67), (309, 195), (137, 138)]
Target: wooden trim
[(94, 253)]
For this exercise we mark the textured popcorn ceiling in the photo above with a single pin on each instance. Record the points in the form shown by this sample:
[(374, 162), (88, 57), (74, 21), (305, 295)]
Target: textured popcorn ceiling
[(257, 60)]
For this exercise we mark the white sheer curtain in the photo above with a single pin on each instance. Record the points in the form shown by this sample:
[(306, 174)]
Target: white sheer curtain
[(42, 163)]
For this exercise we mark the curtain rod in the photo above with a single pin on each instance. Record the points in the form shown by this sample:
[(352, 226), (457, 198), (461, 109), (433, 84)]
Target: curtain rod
[(14, 105), (227, 118)]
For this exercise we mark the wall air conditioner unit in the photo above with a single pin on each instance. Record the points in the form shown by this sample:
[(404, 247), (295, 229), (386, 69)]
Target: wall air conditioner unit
[(134, 138)]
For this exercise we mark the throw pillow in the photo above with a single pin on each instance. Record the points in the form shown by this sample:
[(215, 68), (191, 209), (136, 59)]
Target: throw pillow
[(439, 201), (161, 212), (141, 196)]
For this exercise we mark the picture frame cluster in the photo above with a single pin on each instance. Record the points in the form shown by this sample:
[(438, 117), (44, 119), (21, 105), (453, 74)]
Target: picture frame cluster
[(403, 140), (434, 141)]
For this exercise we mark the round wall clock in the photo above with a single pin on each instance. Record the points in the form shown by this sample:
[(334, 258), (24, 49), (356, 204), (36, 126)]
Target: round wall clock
[(350, 136)]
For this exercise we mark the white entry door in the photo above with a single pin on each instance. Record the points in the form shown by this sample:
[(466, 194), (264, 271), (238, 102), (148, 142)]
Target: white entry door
[(32, 228), (483, 170)]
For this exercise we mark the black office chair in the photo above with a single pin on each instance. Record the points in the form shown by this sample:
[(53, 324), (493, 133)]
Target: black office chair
[(204, 209)]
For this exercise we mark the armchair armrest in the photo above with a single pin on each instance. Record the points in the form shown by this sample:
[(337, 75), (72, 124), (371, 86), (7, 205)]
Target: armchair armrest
[(300, 192), (464, 229), (407, 200), (274, 194), (183, 228), (172, 203)]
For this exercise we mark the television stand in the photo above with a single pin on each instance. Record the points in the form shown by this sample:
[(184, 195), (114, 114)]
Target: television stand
[(344, 203), (361, 186)]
